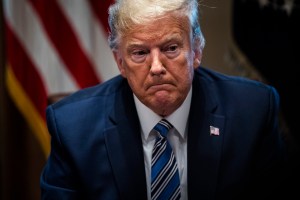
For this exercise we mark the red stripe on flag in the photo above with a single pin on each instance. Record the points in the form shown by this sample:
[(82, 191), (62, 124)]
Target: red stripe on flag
[(25, 72), (64, 39), (100, 9)]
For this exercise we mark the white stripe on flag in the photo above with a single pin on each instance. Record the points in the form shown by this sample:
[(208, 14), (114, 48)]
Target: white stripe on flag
[(27, 26), (92, 37)]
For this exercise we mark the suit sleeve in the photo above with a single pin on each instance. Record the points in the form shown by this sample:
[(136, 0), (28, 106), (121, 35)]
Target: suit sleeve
[(271, 157), (56, 180)]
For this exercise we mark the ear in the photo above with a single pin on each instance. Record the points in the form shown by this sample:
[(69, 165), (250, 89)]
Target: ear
[(197, 51), (119, 61), (197, 58)]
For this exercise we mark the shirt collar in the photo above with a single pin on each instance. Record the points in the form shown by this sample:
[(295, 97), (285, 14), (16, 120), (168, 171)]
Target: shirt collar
[(148, 118)]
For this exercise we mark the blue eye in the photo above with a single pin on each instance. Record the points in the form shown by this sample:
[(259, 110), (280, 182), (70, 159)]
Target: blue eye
[(138, 55), (172, 51), (172, 48)]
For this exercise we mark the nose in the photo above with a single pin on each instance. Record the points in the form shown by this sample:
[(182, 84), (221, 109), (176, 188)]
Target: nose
[(157, 66)]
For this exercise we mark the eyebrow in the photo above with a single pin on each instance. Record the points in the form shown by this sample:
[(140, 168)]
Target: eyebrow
[(170, 38)]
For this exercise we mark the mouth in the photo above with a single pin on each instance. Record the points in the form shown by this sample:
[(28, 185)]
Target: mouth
[(160, 86)]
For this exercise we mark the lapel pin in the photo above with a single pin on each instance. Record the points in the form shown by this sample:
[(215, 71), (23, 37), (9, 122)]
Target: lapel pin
[(214, 130)]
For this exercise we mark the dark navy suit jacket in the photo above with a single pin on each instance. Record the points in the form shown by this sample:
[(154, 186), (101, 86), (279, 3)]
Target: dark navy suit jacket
[(97, 149)]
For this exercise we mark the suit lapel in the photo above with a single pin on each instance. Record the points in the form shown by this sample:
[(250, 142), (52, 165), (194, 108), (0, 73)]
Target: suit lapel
[(125, 148), (204, 150)]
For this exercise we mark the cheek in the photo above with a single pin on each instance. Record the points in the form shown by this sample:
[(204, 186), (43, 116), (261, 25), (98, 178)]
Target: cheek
[(137, 84), (185, 69), (184, 79), (136, 75), (137, 72), (128, 69)]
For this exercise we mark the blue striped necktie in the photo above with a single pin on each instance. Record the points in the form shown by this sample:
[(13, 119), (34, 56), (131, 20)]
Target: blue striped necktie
[(165, 183)]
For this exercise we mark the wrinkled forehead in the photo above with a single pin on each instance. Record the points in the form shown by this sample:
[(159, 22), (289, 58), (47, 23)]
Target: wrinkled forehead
[(160, 25)]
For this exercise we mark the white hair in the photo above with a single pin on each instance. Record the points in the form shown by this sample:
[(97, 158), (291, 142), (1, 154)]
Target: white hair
[(125, 13)]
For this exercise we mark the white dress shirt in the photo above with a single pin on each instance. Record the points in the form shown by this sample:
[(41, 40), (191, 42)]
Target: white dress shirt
[(177, 137)]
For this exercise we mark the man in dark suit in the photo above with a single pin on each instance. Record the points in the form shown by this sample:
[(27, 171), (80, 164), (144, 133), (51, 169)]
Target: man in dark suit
[(224, 131)]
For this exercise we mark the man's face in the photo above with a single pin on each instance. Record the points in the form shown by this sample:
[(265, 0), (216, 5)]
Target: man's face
[(158, 61)]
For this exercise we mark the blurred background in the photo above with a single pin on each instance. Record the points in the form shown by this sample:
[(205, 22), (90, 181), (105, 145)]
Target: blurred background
[(49, 49)]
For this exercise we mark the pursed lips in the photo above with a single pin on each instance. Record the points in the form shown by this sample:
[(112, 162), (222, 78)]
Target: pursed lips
[(160, 86)]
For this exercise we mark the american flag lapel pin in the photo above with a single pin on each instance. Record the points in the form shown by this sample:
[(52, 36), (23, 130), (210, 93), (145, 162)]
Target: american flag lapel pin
[(214, 130)]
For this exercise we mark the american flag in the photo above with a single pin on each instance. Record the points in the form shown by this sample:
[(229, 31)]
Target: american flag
[(214, 130), (54, 47)]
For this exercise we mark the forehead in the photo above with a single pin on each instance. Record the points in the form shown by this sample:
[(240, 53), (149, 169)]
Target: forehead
[(165, 27)]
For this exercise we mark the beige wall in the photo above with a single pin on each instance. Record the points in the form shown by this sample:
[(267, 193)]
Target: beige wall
[(215, 19), (221, 52)]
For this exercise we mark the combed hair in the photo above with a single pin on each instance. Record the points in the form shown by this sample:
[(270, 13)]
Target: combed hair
[(124, 14)]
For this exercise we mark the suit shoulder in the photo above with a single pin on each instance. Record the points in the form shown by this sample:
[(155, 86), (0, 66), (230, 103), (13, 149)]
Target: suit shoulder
[(235, 88), (214, 77), (102, 90)]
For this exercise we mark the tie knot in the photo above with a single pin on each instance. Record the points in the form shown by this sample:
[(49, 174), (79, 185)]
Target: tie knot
[(162, 127)]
